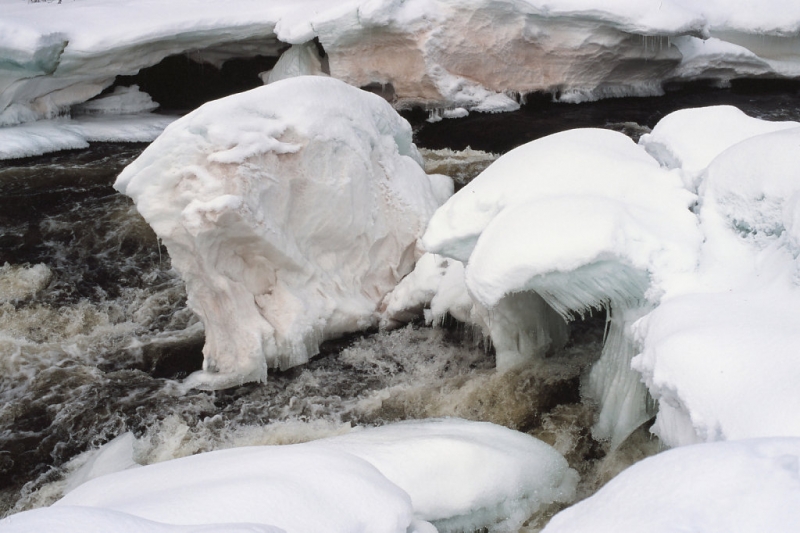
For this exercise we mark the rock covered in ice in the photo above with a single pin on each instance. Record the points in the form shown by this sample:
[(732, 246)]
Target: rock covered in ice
[(746, 486), (290, 211), (720, 354), (461, 475), (578, 220), (689, 139)]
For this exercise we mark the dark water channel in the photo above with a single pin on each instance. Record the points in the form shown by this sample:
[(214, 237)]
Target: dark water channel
[(94, 327)]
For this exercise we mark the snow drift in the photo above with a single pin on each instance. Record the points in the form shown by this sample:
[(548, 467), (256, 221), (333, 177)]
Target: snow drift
[(454, 474), (289, 216), (748, 486)]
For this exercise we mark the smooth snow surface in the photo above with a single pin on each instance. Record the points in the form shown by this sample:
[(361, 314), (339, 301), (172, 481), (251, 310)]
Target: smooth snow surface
[(690, 139), (461, 475), (747, 486), (290, 211), (465, 475), (452, 56)]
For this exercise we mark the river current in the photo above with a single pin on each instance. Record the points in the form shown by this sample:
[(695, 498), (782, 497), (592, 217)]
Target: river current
[(95, 334)]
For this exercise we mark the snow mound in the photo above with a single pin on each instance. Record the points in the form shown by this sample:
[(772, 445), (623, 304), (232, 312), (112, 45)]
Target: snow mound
[(578, 220), (290, 211), (720, 355), (461, 475), (689, 139), (76, 519), (295, 488), (464, 476), (746, 486)]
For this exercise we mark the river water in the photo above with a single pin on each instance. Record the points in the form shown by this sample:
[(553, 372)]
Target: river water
[(95, 333)]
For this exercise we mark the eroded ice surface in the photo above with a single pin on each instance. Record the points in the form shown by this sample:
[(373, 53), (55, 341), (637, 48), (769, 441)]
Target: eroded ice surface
[(450, 56), (748, 486), (290, 211), (461, 475)]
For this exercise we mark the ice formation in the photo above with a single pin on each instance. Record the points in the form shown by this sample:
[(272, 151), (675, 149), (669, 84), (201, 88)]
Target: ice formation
[(456, 474), (290, 211), (452, 56), (747, 486), (719, 354), (580, 220)]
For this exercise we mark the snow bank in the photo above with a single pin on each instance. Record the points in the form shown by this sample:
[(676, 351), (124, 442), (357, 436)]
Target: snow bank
[(462, 475), (720, 355), (746, 486), (578, 220), (41, 137), (466, 55), (290, 211)]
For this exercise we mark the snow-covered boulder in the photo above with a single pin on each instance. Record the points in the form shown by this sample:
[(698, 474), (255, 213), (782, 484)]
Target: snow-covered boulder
[(747, 486), (463, 476), (578, 220), (290, 211), (689, 139), (459, 475), (721, 355)]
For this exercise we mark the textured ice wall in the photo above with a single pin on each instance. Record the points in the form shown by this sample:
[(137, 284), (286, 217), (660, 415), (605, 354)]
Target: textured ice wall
[(290, 211), (470, 54)]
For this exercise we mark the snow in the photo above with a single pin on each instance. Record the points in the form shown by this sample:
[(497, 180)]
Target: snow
[(470, 55), (719, 354), (689, 139), (465, 475), (41, 137), (748, 486), (461, 475), (75, 519), (290, 211), (575, 221)]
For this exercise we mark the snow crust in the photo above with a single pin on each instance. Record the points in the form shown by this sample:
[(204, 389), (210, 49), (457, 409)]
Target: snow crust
[(460, 475), (746, 486), (290, 211), (453, 56)]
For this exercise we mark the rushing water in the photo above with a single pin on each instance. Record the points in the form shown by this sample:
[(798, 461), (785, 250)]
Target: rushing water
[(94, 329)]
